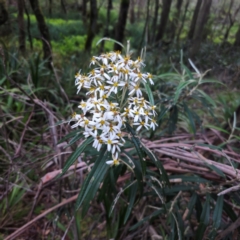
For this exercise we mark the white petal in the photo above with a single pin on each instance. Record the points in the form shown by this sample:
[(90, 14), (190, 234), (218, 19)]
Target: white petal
[(110, 162)]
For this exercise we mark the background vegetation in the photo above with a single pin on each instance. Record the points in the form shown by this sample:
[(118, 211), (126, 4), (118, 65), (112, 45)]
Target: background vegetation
[(42, 46)]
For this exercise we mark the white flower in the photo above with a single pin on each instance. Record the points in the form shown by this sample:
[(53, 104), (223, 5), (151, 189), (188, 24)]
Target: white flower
[(93, 61), (135, 89), (114, 94), (141, 124), (113, 162), (111, 141), (153, 124), (137, 116), (149, 77), (98, 142)]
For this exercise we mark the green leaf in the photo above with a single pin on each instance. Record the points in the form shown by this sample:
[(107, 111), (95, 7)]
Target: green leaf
[(149, 92), (138, 147), (94, 178), (121, 191), (204, 219), (211, 81), (173, 118), (209, 99), (137, 169), (163, 112), (191, 204), (94, 184), (215, 169), (132, 196), (158, 164), (192, 179), (205, 216), (217, 214), (209, 146), (139, 223), (180, 187), (190, 117), (179, 89), (75, 155), (216, 128), (185, 67), (75, 139), (69, 135), (229, 211)]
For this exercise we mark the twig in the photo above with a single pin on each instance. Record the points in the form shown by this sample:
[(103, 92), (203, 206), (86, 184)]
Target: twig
[(229, 229), (231, 189), (24, 227)]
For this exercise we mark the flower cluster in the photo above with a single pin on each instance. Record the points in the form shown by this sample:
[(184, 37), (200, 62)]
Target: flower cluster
[(114, 98)]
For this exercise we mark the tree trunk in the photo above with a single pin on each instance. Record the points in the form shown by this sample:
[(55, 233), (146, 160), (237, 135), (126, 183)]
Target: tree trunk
[(132, 12), (201, 22), (175, 22), (194, 19), (92, 26), (63, 7), (84, 8), (21, 36), (43, 30), (183, 20), (50, 8), (3, 12), (164, 19), (232, 21), (106, 31), (144, 39), (122, 20), (154, 22), (237, 39)]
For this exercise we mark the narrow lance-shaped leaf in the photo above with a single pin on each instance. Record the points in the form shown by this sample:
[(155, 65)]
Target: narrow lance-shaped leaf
[(149, 92), (180, 87), (75, 155), (159, 165), (132, 196), (94, 177), (217, 214), (190, 117)]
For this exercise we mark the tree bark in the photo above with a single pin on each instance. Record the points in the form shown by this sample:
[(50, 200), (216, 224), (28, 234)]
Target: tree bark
[(43, 30), (21, 36), (231, 20), (122, 20), (154, 22), (175, 22), (164, 19), (3, 12), (132, 12), (201, 22), (50, 8), (237, 39), (63, 7), (84, 8), (194, 19), (28, 27), (144, 39), (92, 26), (106, 31), (183, 20)]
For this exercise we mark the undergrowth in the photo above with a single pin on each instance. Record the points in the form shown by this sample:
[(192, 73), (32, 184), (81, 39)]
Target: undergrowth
[(199, 162)]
